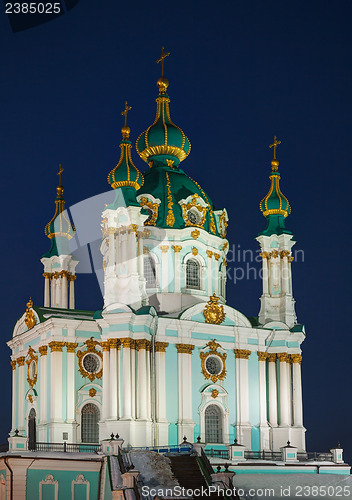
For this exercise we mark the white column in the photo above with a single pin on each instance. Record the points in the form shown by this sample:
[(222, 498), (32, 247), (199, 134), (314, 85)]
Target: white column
[(263, 424), (112, 385), (133, 252), (210, 287), (265, 280), (58, 291), (216, 273), (64, 289), (140, 254), (72, 291), (43, 350), (133, 378), (284, 272), (184, 362), (14, 394), (149, 379), (177, 270), (272, 389), (53, 288), (160, 389), (284, 389), (164, 268), (242, 389), (126, 379), (47, 289), (70, 391), (106, 380), (21, 374), (297, 390), (56, 382), (142, 379)]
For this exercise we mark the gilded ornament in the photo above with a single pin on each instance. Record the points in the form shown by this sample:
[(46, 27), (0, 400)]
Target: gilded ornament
[(71, 346), (216, 256), (283, 357), (275, 254), (43, 350), (128, 343), (195, 251), (91, 348), (13, 364), (213, 312), (170, 218), (284, 253), (184, 348), (213, 346), (20, 361), (152, 207), (114, 344), (291, 258), (195, 234), (56, 346), (223, 225), (47, 275), (32, 358), (209, 254), (296, 358), (262, 356), (176, 248), (72, 277), (202, 211), (104, 264), (164, 248), (242, 353), (161, 346), (147, 233), (224, 262), (92, 392), (265, 255), (30, 397), (142, 344), (272, 357), (30, 318), (105, 345), (214, 393)]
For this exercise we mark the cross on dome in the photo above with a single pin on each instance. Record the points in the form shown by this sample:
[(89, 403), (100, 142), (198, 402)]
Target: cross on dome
[(275, 145), (163, 56)]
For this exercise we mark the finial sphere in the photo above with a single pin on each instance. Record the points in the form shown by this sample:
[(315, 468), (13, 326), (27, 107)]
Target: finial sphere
[(162, 84)]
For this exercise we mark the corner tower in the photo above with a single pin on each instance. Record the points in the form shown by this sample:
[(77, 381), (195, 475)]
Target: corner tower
[(276, 242)]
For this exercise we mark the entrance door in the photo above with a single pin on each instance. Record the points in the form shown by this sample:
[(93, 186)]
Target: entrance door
[(213, 424), (32, 432)]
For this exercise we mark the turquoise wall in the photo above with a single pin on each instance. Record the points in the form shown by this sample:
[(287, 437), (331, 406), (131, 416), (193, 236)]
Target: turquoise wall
[(64, 479), (171, 380), (230, 387)]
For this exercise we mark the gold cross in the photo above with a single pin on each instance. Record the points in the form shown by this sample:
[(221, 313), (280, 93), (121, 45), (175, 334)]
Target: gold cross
[(60, 172), (125, 111), (163, 56), (275, 145)]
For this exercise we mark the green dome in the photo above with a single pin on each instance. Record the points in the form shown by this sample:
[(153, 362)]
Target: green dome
[(275, 206), (125, 174), (168, 186), (163, 139)]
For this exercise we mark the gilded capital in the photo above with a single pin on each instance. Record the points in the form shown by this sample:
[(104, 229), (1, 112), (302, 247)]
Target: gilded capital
[(13, 364), (272, 357), (262, 356), (142, 344), (43, 350), (47, 275), (176, 248), (161, 346), (284, 253), (56, 346), (184, 348), (242, 353), (209, 254), (71, 346), (296, 358), (195, 251), (20, 361), (113, 344), (216, 256), (128, 343), (164, 248), (105, 345), (72, 277), (283, 357)]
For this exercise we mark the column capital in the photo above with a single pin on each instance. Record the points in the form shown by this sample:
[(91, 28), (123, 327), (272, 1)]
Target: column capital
[(161, 346), (65, 274), (105, 345), (272, 357), (142, 344), (56, 346), (71, 346), (265, 255), (13, 364), (164, 248), (209, 254), (184, 348), (283, 357), (112, 344), (72, 277), (128, 343), (216, 256), (262, 356), (296, 358), (47, 275), (242, 353), (176, 248), (20, 361), (43, 350), (284, 253), (145, 250)]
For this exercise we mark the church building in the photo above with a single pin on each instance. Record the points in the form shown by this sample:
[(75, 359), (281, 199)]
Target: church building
[(164, 356)]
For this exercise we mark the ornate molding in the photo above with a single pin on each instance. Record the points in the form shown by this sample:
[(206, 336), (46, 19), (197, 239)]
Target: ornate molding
[(213, 351), (176, 248), (56, 346), (161, 346), (20, 360), (170, 218), (213, 312), (272, 357), (91, 348), (32, 377), (265, 255), (283, 357), (184, 348), (195, 204), (43, 350), (209, 254), (242, 353), (195, 234), (71, 346), (296, 358), (262, 356)]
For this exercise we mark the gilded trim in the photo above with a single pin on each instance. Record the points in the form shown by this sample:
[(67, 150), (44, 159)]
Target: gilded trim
[(31, 357), (242, 353), (43, 350), (56, 346), (272, 357), (71, 346), (213, 346), (20, 360), (13, 364), (170, 218), (184, 348), (176, 248)]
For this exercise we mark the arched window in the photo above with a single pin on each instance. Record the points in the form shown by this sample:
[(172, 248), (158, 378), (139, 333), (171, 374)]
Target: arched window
[(213, 424), (193, 274), (149, 271), (32, 432), (89, 423)]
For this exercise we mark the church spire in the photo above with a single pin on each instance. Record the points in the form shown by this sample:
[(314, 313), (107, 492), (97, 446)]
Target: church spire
[(163, 143), (275, 206), (125, 174)]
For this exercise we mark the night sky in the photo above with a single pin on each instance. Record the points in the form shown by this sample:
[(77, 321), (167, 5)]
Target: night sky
[(240, 73)]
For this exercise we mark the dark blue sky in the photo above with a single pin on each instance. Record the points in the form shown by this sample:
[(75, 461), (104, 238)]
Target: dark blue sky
[(240, 73)]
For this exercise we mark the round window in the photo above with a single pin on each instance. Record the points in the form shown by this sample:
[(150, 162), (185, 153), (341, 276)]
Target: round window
[(213, 365), (193, 216), (32, 369), (91, 363)]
